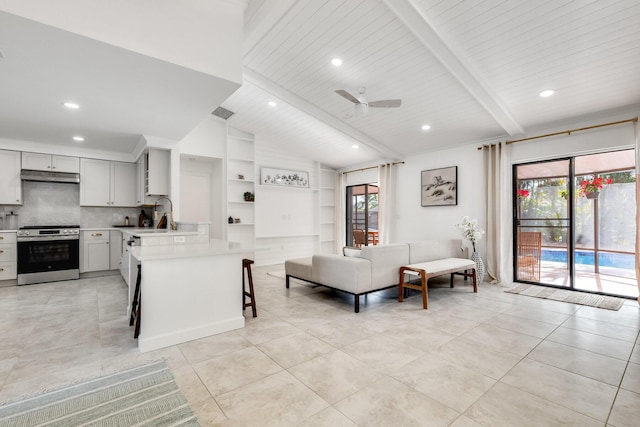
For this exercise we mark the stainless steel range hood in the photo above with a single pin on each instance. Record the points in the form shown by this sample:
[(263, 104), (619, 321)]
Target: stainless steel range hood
[(47, 176)]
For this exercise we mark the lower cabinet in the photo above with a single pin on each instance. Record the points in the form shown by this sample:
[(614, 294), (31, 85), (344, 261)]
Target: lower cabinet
[(8, 259), (95, 251)]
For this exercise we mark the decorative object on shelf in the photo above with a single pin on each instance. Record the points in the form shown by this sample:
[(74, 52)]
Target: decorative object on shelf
[(240, 176), (591, 188), (237, 220), (283, 177), (230, 220), (248, 196), (439, 187), (473, 233)]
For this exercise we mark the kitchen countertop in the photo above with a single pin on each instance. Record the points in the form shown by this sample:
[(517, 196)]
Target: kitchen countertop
[(213, 248)]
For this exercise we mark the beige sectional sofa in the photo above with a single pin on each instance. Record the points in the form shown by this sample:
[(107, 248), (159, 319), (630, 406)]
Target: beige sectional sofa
[(372, 268)]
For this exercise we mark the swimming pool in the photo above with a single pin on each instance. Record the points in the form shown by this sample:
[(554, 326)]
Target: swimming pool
[(605, 259)]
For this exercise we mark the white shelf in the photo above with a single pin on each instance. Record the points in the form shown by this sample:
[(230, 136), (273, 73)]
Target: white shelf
[(240, 202), (248, 181), (287, 188), (239, 159), (286, 236), (241, 224)]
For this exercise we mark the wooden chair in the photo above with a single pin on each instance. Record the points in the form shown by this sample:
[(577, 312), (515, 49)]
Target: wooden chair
[(246, 265), (136, 305), (529, 255), (359, 238)]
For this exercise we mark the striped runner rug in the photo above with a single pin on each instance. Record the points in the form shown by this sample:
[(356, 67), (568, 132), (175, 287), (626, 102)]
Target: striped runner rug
[(142, 396), (582, 298)]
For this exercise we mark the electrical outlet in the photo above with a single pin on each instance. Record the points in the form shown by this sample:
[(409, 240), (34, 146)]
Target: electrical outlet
[(179, 239)]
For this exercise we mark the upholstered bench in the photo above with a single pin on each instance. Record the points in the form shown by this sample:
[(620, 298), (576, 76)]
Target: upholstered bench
[(298, 268), (429, 269)]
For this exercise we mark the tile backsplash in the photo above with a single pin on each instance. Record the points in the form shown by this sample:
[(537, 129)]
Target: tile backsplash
[(49, 203)]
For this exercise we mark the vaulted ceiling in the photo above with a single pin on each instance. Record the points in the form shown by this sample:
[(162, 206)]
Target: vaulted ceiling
[(472, 70)]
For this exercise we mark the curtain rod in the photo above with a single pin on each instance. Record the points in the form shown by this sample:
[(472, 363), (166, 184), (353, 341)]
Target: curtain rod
[(371, 167), (568, 132)]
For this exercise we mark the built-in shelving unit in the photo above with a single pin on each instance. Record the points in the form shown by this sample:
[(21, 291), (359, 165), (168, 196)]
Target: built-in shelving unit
[(327, 211), (240, 180)]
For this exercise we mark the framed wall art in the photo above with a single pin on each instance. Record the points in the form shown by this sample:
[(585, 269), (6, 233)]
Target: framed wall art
[(439, 187), (284, 177)]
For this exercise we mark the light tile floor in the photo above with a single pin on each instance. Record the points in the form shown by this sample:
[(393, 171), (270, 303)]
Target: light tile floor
[(492, 358)]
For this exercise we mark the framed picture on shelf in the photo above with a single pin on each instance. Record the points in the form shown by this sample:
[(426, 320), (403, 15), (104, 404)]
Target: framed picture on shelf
[(284, 177), (439, 187)]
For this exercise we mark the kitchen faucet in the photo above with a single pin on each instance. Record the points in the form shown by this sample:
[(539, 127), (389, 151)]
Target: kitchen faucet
[(155, 212)]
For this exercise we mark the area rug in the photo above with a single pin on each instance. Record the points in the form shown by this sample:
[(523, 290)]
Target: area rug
[(145, 395), (582, 298)]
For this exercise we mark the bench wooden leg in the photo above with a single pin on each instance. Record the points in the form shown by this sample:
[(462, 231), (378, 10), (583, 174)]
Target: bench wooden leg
[(425, 297), (475, 282), (401, 285)]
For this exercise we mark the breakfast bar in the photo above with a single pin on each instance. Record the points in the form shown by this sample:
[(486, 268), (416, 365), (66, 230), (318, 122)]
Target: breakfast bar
[(188, 291)]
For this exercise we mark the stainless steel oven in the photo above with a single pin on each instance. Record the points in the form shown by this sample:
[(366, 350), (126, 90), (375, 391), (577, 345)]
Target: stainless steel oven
[(48, 253)]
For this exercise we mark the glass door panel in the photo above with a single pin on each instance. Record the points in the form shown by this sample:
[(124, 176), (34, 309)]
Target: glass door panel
[(542, 226), (362, 215)]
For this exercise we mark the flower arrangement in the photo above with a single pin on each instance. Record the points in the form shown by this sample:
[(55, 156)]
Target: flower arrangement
[(593, 186), (470, 230), (523, 194)]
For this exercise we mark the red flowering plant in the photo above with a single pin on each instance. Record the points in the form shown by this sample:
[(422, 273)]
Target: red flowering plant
[(593, 186), (523, 194)]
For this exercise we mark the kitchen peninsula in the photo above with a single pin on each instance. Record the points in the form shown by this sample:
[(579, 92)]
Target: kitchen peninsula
[(189, 289)]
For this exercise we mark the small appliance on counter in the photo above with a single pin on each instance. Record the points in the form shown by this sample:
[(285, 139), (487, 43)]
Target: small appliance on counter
[(8, 221)]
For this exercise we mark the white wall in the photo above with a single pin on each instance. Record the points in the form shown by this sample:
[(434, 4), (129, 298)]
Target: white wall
[(287, 219), (414, 222)]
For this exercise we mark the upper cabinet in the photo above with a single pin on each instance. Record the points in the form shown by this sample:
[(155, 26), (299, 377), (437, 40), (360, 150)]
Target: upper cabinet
[(49, 162), (152, 175), (105, 183), (10, 185)]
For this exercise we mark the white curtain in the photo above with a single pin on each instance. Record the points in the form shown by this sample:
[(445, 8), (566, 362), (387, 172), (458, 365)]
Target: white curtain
[(497, 164), (636, 134), (340, 227), (387, 179)]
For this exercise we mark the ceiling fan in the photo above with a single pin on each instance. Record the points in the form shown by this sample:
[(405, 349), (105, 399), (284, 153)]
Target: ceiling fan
[(361, 105)]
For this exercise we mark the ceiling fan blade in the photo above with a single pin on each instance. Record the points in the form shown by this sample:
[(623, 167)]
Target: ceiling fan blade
[(346, 95), (386, 103)]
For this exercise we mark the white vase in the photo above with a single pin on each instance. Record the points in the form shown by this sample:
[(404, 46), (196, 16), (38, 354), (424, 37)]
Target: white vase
[(475, 257)]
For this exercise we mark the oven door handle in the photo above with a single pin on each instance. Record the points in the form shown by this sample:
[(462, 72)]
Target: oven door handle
[(46, 239)]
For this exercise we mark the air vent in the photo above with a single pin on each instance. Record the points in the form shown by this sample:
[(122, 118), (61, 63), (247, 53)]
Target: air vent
[(223, 113)]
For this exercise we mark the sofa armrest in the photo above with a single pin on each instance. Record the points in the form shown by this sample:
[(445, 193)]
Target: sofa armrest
[(350, 274)]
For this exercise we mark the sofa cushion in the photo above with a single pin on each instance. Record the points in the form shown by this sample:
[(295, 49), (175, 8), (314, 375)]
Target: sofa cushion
[(351, 251), (299, 267), (431, 250), (351, 274), (386, 261)]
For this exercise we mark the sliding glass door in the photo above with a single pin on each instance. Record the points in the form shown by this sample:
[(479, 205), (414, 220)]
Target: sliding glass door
[(574, 223), (362, 215)]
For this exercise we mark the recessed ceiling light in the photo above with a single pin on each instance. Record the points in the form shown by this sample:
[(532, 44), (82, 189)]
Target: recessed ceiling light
[(336, 62), (78, 139), (71, 105), (272, 103), (547, 93), (355, 146), (426, 127)]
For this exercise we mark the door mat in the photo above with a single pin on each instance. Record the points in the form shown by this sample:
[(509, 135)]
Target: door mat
[(582, 298), (145, 395)]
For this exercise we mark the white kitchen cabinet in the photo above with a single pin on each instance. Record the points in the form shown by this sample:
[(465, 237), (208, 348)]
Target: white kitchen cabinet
[(50, 162), (115, 249), (105, 183), (152, 176), (95, 251), (8, 258), (123, 178), (10, 184)]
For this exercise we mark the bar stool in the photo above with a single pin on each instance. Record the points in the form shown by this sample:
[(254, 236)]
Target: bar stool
[(246, 265), (135, 305)]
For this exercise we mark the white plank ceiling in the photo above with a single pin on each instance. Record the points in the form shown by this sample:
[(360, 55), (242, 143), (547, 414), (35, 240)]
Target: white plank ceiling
[(472, 70)]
